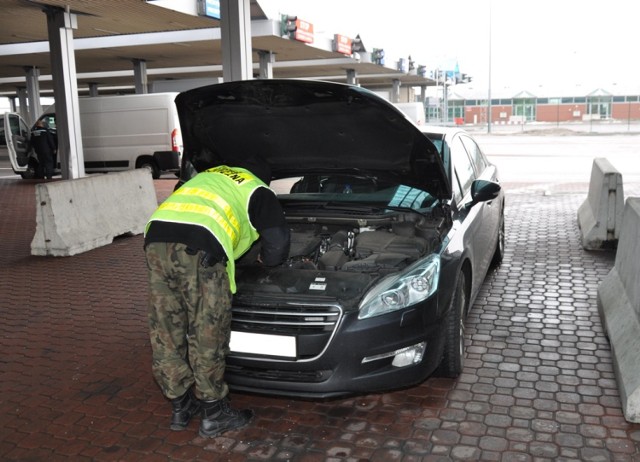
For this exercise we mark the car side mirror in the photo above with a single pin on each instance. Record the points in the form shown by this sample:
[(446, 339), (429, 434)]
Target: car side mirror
[(482, 191)]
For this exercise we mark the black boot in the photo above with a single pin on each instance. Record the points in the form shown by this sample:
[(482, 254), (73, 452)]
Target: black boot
[(218, 417), (184, 407)]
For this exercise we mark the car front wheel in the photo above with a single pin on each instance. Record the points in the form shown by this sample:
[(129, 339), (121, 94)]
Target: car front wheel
[(498, 255), (453, 357)]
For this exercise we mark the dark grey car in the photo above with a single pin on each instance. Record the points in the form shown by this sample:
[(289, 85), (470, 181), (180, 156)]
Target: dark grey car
[(393, 231)]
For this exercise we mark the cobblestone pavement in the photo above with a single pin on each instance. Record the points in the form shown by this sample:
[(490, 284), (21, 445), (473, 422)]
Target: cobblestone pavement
[(538, 385)]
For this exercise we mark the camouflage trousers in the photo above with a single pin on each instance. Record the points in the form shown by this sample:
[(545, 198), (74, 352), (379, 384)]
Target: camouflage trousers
[(189, 321)]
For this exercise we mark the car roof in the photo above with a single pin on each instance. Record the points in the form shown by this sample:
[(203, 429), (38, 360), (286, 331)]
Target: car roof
[(448, 132)]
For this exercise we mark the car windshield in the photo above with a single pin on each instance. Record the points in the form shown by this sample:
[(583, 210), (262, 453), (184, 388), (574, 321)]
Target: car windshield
[(438, 141), (346, 190)]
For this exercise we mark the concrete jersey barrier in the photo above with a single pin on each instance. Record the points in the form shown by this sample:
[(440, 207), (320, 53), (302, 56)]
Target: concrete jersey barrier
[(74, 216), (600, 215), (619, 308)]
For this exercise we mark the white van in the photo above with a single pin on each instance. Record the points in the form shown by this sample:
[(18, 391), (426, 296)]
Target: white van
[(122, 133), (415, 111), (14, 143)]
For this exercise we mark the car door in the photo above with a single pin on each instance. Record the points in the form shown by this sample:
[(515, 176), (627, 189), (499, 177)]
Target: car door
[(17, 136), (476, 238), (490, 210)]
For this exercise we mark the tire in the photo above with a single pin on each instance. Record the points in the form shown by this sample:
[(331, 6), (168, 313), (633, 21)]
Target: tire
[(151, 165), (498, 255), (28, 174), (454, 351)]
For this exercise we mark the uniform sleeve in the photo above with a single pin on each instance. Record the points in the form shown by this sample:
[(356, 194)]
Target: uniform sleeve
[(265, 210), (274, 245), (267, 216)]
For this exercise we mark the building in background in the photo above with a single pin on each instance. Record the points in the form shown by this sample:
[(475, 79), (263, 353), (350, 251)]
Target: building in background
[(462, 104)]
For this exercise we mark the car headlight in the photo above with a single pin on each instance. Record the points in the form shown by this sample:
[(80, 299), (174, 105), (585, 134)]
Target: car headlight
[(418, 282)]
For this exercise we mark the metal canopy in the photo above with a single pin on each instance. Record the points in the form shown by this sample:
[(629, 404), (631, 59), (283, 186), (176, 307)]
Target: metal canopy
[(174, 45)]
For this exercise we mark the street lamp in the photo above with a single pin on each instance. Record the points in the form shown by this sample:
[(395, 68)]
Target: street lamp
[(489, 90)]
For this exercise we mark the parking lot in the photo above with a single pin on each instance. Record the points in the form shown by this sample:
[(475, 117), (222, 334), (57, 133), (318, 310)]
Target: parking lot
[(538, 384)]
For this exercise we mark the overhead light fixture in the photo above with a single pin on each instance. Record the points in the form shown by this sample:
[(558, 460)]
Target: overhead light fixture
[(26, 37), (97, 29)]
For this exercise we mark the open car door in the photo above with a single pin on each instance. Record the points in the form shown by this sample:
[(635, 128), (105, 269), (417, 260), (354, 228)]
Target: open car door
[(17, 136)]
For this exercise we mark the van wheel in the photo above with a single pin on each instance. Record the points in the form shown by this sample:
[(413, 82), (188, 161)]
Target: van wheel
[(28, 174), (151, 165)]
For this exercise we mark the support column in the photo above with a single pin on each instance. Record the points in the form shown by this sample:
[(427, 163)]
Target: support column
[(395, 92), (445, 103), (93, 89), (352, 78), (235, 34), (22, 102), (423, 93), (33, 94), (267, 59), (60, 25), (140, 76)]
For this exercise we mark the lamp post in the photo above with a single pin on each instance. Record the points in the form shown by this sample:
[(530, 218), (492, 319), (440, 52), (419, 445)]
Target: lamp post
[(489, 90), (445, 102), (439, 112)]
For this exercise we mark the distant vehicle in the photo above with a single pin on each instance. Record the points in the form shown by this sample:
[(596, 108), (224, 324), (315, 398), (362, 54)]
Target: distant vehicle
[(415, 111), (393, 230), (120, 133), (14, 143)]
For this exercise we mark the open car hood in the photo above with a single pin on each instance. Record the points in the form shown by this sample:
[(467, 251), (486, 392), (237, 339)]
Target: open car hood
[(307, 127)]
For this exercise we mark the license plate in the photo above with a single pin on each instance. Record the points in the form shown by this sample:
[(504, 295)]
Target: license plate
[(263, 344)]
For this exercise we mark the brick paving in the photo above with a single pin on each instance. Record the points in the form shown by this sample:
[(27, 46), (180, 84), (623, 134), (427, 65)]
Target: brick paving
[(538, 384)]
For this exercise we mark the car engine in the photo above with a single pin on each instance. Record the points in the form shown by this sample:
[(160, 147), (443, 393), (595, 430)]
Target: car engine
[(359, 249), (340, 258)]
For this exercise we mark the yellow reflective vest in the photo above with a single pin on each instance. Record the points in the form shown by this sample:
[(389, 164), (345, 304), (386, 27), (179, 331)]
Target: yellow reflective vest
[(218, 200)]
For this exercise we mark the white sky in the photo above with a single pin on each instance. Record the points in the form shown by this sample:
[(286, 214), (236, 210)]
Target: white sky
[(553, 44)]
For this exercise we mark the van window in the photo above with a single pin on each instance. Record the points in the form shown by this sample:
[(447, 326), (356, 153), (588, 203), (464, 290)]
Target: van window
[(49, 121), (18, 127)]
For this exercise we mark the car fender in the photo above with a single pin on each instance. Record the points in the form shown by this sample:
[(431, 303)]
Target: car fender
[(454, 259)]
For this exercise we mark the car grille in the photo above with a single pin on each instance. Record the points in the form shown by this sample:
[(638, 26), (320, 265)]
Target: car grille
[(287, 320), (277, 374), (312, 325)]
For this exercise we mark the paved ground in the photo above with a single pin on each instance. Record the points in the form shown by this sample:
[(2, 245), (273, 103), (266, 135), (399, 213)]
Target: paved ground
[(538, 385)]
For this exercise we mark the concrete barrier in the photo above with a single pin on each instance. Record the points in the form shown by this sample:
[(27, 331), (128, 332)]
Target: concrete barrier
[(600, 215), (74, 216), (619, 308)]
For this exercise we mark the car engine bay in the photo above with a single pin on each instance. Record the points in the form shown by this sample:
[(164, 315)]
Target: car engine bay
[(340, 258), (359, 249)]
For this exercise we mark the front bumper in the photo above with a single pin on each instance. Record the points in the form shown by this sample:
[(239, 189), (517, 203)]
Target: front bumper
[(330, 363)]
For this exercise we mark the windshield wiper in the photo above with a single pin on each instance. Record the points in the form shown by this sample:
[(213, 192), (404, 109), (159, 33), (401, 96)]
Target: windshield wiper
[(352, 207), (397, 208)]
